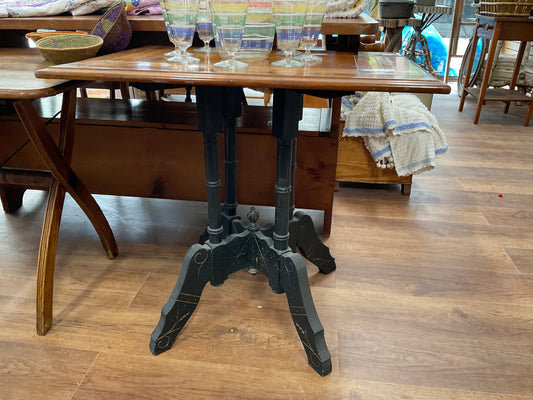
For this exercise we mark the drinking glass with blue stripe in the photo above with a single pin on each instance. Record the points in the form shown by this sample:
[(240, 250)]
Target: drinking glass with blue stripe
[(230, 18), (289, 16), (204, 27), (311, 29), (180, 22)]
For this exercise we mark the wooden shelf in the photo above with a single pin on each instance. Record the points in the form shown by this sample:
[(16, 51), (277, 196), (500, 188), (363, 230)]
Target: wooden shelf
[(504, 95)]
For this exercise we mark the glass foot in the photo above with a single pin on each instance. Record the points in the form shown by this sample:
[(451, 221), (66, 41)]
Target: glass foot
[(288, 63), (184, 59), (310, 58), (232, 64), (170, 54), (295, 53)]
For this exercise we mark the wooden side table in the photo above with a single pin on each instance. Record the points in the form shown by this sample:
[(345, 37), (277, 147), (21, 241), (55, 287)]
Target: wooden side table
[(18, 87), (499, 28)]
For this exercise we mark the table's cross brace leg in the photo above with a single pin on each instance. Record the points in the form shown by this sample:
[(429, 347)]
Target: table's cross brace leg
[(58, 158), (52, 220), (46, 257), (62, 172)]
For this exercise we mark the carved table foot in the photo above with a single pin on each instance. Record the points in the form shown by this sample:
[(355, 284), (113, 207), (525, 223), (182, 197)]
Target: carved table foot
[(183, 300), (286, 273), (303, 237)]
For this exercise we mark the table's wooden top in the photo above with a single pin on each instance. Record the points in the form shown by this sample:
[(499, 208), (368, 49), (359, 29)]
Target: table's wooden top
[(362, 24), (338, 72), (509, 28), (17, 75)]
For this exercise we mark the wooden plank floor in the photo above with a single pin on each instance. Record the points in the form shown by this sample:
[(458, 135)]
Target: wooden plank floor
[(432, 298)]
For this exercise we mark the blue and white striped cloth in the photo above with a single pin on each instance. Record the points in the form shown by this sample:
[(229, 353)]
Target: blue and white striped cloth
[(398, 130)]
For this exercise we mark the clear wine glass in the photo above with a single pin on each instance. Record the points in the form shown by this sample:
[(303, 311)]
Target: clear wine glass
[(204, 27), (311, 29), (289, 16), (181, 24), (173, 53), (230, 17)]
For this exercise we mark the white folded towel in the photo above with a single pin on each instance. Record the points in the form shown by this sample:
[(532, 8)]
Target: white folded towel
[(398, 131), (39, 8)]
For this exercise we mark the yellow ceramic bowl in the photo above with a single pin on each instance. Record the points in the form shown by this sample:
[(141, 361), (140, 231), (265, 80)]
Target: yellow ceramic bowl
[(69, 48), (41, 35)]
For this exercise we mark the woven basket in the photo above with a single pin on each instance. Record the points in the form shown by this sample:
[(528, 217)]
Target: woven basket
[(114, 28), (69, 48), (496, 8), (41, 35)]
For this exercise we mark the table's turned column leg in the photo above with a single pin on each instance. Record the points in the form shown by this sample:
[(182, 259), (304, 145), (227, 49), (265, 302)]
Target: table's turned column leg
[(198, 266), (231, 113), (293, 279), (58, 158), (302, 232), (231, 107)]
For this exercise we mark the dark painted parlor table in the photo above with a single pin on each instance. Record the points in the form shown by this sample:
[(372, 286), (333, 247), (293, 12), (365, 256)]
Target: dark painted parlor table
[(233, 244)]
